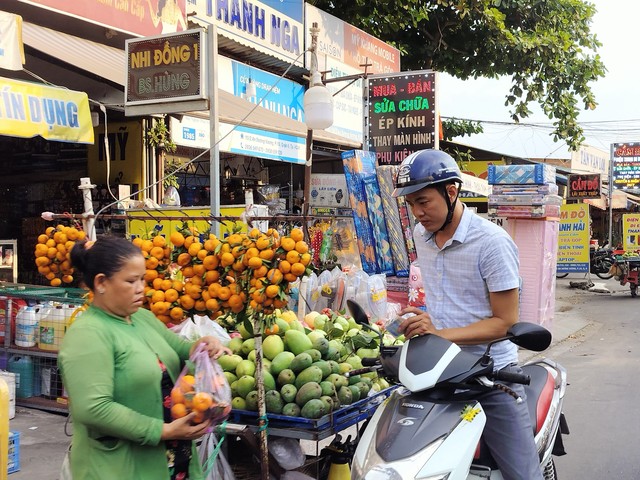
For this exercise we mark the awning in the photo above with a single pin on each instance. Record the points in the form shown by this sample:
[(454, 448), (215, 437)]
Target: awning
[(110, 63)]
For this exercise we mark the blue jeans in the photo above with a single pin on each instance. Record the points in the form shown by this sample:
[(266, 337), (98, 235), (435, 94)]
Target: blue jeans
[(509, 434)]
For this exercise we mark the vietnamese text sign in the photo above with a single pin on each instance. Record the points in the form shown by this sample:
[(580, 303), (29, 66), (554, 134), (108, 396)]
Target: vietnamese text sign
[(626, 166), (401, 115), (166, 68), (590, 160), (573, 238), (30, 109), (631, 231), (584, 186)]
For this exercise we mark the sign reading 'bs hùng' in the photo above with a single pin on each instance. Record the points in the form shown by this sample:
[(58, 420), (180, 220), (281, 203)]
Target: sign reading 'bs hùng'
[(165, 68), (401, 115)]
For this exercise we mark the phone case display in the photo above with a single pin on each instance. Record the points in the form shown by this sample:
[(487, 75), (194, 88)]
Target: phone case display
[(537, 243), (360, 166), (9, 261), (386, 175)]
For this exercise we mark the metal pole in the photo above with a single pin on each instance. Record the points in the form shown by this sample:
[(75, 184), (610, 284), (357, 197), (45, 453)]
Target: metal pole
[(88, 221), (214, 128), (610, 187)]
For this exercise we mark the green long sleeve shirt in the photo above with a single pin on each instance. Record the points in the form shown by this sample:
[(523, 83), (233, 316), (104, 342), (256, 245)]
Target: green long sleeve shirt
[(111, 373)]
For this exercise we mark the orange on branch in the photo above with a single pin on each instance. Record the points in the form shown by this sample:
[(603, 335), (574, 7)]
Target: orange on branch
[(296, 234), (271, 291), (184, 259), (288, 244), (298, 269), (159, 241), (176, 238)]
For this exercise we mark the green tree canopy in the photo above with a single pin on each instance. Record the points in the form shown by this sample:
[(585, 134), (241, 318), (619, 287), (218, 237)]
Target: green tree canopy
[(546, 46)]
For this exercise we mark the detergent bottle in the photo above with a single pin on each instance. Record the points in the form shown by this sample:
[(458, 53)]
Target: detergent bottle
[(27, 321)]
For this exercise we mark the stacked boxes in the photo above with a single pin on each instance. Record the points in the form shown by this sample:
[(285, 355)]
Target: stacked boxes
[(528, 196)]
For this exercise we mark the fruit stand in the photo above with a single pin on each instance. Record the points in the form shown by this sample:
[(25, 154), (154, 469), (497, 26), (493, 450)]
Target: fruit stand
[(625, 270)]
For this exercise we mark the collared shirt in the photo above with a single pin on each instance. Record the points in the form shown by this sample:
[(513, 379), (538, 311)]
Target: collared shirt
[(480, 258)]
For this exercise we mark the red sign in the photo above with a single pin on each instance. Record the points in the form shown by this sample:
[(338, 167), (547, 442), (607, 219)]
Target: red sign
[(584, 186)]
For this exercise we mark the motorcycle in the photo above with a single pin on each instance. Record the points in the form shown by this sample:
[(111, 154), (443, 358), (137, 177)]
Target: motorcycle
[(600, 263), (431, 426)]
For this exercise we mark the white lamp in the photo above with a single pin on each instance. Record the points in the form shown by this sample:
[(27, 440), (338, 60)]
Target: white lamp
[(250, 89), (318, 104)]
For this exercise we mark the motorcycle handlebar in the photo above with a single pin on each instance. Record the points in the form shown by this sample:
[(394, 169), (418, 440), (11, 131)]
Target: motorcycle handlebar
[(511, 377), (369, 361), (360, 371)]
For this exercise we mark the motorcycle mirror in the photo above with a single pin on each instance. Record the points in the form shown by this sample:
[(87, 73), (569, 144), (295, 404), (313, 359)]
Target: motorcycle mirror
[(530, 336), (358, 313)]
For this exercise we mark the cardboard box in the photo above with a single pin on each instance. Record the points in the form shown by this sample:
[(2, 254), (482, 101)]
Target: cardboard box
[(537, 174)]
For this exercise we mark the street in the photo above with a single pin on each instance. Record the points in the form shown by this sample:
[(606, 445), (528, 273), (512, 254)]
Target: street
[(602, 362)]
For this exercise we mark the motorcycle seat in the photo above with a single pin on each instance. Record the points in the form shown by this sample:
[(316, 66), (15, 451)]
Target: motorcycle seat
[(539, 395)]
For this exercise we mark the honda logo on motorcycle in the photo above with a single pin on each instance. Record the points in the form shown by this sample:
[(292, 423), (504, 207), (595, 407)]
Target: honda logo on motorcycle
[(412, 405), (406, 421)]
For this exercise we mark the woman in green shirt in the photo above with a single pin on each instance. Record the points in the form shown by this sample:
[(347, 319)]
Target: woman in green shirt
[(115, 360)]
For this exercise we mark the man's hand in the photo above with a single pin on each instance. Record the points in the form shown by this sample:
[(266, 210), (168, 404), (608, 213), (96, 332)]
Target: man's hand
[(418, 324)]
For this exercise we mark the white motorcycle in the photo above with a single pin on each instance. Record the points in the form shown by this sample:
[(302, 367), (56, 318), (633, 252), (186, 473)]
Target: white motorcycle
[(431, 427)]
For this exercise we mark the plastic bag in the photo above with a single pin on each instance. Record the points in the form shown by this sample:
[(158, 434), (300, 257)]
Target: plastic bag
[(214, 464), (203, 388), (201, 326)]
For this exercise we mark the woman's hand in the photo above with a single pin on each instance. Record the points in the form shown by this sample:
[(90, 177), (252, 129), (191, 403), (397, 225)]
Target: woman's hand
[(418, 324), (213, 346), (184, 429)]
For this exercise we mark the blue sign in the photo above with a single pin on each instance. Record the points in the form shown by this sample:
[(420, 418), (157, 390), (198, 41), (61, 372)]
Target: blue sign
[(290, 8)]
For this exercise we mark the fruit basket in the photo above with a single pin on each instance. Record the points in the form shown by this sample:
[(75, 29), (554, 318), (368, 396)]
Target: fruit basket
[(315, 429)]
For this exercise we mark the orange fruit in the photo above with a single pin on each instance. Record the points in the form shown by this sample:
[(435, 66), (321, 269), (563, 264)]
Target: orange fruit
[(176, 313), (199, 417), (224, 293), (272, 330), (188, 272), (183, 259), (171, 295), (146, 246), (234, 239), (157, 284), (177, 239), (211, 276), (210, 262), (260, 272), (254, 262), (187, 383), (194, 248), (302, 247), (157, 252), (150, 275), (298, 269), (56, 282), (288, 244), (42, 238), (202, 401), (305, 259), (267, 254), (284, 266), (199, 270), (165, 284), (178, 410), (235, 300), (274, 276), (151, 263), (176, 395), (189, 241), (212, 305), (293, 257), (158, 296), (200, 305), (296, 234), (263, 242), (159, 241), (290, 277), (227, 259), (187, 302), (272, 291)]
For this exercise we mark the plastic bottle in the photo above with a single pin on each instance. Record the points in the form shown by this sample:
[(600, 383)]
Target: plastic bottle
[(51, 329), (22, 366), (27, 326)]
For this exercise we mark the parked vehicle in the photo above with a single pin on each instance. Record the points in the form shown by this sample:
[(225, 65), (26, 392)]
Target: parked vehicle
[(432, 428), (600, 262)]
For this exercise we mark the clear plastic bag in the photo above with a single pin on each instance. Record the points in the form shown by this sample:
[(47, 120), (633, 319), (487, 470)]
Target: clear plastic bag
[(203, 388), (214, 464)]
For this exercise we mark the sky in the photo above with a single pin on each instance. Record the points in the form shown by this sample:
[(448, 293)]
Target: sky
[(615, 120)]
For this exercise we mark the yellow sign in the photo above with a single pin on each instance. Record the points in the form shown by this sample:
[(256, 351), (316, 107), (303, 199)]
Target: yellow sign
[(476, 168), (29, 109), (11, 46), (631, 232), (573, 239), (166, 220), (125, 155)]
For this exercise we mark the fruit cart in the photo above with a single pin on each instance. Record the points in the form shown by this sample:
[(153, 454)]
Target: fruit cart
[(625, 270), (244, 424)]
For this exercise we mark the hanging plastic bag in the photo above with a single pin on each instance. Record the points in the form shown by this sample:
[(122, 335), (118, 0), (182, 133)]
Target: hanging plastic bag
[(203, 388), (199, 327), (214, 464), (171, 197)]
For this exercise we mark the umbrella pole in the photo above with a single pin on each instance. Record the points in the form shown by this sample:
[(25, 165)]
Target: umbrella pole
[(262, 410)]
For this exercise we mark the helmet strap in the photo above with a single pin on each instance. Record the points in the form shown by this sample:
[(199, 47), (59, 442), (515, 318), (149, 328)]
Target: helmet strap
[(450, 205)]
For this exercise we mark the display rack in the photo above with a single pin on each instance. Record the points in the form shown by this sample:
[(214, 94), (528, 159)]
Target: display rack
[(38, 381)]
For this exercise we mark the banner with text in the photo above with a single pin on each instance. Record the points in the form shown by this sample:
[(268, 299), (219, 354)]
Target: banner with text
[(626, 166), (631, 231), (30, 109), (573, 239), (583, 186), (401, 115)]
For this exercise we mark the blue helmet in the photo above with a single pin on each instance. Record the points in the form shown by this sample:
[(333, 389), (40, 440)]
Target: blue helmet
[(425, 168)]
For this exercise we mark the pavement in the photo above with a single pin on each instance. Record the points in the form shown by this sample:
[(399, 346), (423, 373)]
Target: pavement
[(43, 435)]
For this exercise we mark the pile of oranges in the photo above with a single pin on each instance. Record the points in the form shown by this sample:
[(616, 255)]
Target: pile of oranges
[(243, 273), (185, 399), (52, 253)]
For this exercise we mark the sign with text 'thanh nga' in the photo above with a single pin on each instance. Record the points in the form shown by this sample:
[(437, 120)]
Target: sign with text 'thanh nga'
[(30, 109), (166, 73)]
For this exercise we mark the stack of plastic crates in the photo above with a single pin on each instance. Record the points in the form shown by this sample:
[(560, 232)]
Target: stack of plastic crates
[(13, 464)]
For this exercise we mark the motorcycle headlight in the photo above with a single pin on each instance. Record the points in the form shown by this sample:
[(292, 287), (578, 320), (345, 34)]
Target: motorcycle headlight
[(375, 468)]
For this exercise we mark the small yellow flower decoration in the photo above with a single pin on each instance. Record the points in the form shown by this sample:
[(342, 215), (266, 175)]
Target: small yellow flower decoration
[(469, 413)]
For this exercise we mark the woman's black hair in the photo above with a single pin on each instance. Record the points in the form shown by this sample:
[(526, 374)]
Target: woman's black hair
[(106, 255)]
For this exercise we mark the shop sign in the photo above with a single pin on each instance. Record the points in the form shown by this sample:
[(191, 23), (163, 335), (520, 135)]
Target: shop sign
[(631, 232), (329, 190), (11, 46), (273, 27), (29, 109), (350, 45), (590, 160), (125, 151), (164, 69), (262, 144), (626, 166), (584, 186), (401, 115), (573, 238), (137, 17)]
